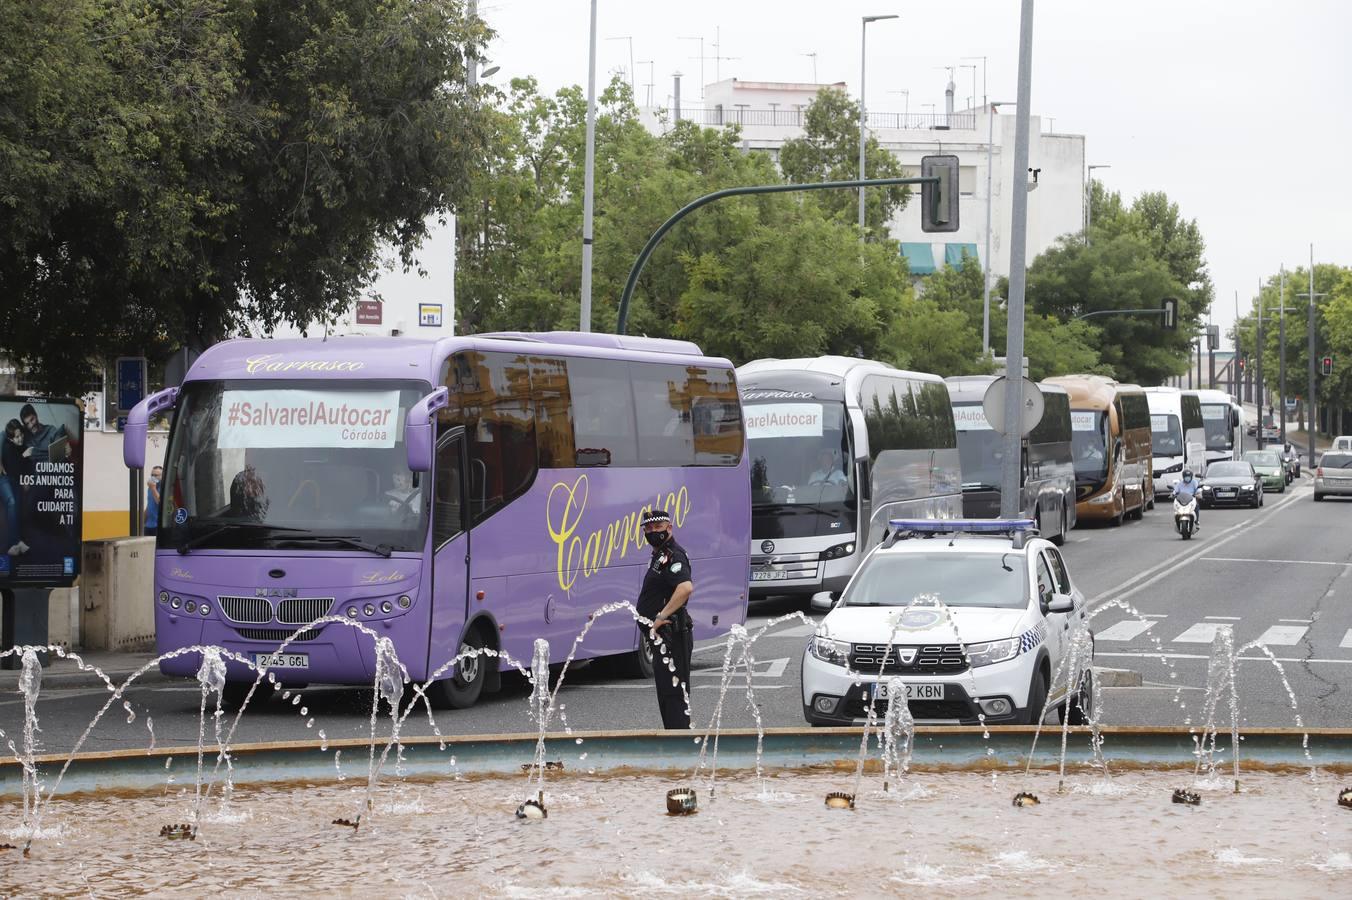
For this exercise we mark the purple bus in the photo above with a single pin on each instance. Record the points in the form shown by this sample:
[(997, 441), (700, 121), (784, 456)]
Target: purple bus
[(448, 494)]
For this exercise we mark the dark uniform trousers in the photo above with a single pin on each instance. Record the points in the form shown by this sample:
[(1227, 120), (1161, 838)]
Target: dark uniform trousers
[(673, 686), (669, 569)]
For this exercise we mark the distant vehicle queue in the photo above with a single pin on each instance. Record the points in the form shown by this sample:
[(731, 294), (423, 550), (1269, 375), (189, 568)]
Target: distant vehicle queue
[(839, 447)]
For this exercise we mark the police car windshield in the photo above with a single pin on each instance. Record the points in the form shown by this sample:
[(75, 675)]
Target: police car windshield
[(957, 579)]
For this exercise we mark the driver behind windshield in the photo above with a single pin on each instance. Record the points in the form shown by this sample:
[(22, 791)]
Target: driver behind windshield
[(827, 472)]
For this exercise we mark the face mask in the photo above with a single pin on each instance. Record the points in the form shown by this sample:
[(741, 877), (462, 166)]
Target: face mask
[(656, 538), (154, 479)]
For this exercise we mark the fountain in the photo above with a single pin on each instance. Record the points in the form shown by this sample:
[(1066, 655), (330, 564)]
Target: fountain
[(80, 817)]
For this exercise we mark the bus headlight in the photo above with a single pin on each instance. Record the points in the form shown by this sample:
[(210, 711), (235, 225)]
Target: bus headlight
[(205, 608), (405, 601), (839, 551), (164, 596), (993, 652), (175, 603), (352, 612), (837, 653), (368, 610), (190, 606), (386, 607)]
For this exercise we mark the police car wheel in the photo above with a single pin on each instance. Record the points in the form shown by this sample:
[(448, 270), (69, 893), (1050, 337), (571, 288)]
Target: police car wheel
[(1037, 699)]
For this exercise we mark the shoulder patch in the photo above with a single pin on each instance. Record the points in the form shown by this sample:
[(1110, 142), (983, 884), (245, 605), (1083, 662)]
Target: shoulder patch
[(675, 568)]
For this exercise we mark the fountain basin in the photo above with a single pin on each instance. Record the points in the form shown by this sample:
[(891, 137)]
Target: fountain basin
[(935, 749)]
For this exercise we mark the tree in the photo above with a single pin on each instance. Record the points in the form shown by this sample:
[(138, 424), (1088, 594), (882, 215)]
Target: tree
[(1118, 272), (829, 151), (175, 168)]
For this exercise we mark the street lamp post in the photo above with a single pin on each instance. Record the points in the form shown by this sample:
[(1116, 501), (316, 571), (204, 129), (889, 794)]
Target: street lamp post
[(588, 180), (1089, 202), (863, 123), (986, 275)]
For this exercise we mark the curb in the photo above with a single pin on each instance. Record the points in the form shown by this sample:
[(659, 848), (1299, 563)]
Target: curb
[(9, 679)]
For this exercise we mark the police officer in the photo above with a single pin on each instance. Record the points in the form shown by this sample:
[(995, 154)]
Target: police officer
[(666, 588)]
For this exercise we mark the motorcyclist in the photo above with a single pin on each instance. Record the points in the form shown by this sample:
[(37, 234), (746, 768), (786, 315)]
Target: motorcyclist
[(1187, 487)]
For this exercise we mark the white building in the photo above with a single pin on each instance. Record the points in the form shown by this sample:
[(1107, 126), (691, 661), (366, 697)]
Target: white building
[(416, 303), (771, 113)]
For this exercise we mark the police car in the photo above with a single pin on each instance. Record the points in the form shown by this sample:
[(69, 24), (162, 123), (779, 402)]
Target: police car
[(973, 616)]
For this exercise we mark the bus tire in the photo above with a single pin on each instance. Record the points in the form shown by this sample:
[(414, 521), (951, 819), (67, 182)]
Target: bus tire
[(1060, 539), (637, 663), (235, 692), (462, 689), (1148, 492)]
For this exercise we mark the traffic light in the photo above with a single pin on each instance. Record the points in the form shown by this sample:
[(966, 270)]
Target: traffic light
[(1326, 366), (1170, 307), (939, 202)]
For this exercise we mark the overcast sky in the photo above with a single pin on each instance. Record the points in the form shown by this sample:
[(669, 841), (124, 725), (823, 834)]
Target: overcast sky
[(1211, 101)]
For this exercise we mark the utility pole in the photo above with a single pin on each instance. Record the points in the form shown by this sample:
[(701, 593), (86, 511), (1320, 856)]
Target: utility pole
[(1258, 392), (1011, 474), (1089, 202), (588, 180), (1310, 421), (986, 275), (1281, 357)]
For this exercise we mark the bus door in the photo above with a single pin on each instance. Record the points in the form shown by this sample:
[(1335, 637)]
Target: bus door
[(450, 547)]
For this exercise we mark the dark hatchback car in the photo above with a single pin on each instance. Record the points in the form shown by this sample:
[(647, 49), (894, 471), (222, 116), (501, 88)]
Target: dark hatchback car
[(1231, 484)]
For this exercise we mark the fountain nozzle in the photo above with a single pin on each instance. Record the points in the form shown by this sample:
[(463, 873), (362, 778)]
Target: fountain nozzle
[(839, 800), (1024, 798), (179, 832), (8, 847), (354, 825), (1187, 797), (681, 802), (1345, 798), (533, 809)]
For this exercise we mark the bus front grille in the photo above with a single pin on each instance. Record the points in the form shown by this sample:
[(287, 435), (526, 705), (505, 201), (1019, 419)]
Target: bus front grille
[(277, 634), (249, 610), (303, 610)]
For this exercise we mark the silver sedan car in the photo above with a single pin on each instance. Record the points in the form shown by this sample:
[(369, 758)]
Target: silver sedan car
[(1334, 474)]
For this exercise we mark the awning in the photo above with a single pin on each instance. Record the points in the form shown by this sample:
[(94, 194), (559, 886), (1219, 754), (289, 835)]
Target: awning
[(920, 257), (953, 254)]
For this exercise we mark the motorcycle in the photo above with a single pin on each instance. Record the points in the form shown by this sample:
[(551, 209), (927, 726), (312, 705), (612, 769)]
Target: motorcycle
[(1185, 516), (1291, 460)]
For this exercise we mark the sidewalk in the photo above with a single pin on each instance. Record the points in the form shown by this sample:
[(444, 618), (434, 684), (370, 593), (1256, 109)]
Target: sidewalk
[(64, 672)]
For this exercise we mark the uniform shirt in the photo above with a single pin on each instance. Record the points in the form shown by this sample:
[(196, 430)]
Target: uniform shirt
[(670, 567)]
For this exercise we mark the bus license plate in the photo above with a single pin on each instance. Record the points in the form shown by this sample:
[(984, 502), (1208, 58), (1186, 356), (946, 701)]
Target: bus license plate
[(769, 575), (913, 691), (282, 660)]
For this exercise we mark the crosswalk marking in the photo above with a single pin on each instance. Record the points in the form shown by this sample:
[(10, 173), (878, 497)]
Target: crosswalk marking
[(1283, 635), (1201, 633), (1347, 640), (1127, 630)]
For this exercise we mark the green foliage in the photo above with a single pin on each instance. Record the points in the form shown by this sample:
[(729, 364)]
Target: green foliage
[(829, 151), (171, 169)]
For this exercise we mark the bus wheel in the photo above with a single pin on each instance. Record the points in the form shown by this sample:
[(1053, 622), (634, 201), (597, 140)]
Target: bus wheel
[(1148, 492), (637, 664), (462, 690), (235, 692), (1060, 539)]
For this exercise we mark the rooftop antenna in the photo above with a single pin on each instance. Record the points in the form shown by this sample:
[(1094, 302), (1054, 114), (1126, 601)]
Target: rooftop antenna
[(633, 91), (717, 57), (649, 63), (813, 56), (701, 63)]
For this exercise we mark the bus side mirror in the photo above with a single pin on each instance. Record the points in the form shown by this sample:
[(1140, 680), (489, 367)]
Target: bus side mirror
[(418, 430), (134, 432)]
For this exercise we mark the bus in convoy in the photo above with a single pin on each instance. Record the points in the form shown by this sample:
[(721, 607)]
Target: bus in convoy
[(1223, 422), (1177, 436), (837, 447), (476, 492), (1110, 443), (1047, 473)]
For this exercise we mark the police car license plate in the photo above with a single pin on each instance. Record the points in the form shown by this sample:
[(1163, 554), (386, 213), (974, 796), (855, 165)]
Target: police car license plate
[(282, 660), (913, 691), (769, 575)]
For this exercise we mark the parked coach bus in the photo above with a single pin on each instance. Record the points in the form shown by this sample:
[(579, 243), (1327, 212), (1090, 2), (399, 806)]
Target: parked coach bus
[(1110, 425), (838, 446), (1223, 422), (451, 494), (1048, 474), (1177, 436)]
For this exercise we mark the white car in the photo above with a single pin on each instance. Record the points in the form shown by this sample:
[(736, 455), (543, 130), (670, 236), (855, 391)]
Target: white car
[(974, 616)]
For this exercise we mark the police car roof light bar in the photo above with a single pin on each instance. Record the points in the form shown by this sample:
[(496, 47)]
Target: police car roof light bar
[(1020, 529)]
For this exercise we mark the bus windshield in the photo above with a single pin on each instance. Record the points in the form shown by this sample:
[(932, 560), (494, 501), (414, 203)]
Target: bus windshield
[(304, 464), (1216, 421), (799, 455), (981, 449), (1166, 436), (1089, 444)]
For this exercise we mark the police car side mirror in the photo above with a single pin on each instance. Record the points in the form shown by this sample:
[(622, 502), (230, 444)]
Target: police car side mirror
[(822, 601), (1061, 603)]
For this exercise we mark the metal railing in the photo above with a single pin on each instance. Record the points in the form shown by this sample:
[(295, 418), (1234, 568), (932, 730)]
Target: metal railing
[(793, 118)]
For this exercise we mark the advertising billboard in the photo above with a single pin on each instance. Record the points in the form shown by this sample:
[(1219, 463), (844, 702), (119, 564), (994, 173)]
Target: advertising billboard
[(40, 491)]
